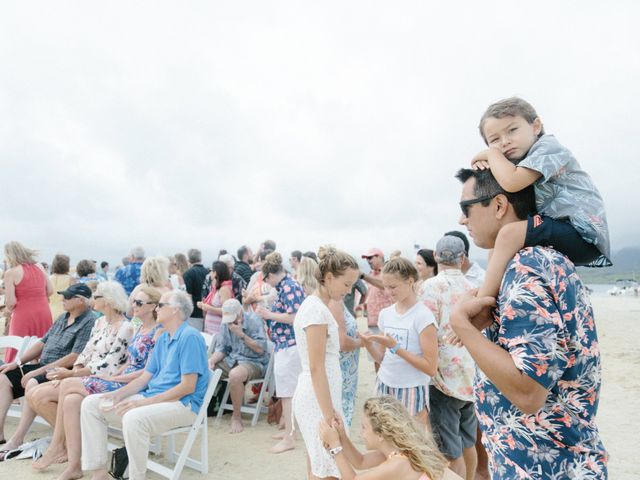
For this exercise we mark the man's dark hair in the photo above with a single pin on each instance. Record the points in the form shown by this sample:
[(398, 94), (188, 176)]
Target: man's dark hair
[(523, 202), (269, 245), (461, 236), (297, 254), (104, 264), (242, 251), (311, 255)]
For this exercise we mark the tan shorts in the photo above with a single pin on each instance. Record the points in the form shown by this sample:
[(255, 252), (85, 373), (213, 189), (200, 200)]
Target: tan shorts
[(253, 370)]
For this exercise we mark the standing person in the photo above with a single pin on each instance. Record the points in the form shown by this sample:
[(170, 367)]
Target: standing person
[(221, 291), (350, 345), (176, 280), (540, 350), (426, 265), (407, 345), (193, 280), (27, 289), (180, 267), (60, 280), (451, 411), (377, 298), (280, 319), (129, 274), (472, 271), (259, 292), (319, 393), (294, 261), (307, 275), (237, 282), (86, 272), (154, 273), (103, 273), (242, 267), (350, 298)]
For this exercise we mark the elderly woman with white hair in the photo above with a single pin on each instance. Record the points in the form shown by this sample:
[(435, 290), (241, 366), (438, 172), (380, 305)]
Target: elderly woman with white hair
[(104, 354)]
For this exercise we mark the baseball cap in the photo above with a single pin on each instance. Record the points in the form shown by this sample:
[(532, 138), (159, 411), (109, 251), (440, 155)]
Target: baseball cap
[(373, 252), (449, 249), (230, 310), (76, 290)]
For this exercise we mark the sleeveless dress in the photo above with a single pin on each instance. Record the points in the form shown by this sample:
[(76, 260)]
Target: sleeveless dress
[(138, 352), (212, 321), (305, 405), (31, 315), (60, 283), (349, 367)]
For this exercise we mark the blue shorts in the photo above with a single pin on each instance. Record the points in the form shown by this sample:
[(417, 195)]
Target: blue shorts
[(560, 235)]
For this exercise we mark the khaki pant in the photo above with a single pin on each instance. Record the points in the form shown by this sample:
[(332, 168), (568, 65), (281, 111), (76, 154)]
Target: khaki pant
[(138, 426)]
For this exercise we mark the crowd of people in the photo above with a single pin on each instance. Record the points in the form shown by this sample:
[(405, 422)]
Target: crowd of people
[(510, 358)]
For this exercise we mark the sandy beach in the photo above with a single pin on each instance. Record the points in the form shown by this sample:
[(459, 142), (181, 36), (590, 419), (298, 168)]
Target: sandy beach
[(244, 456)]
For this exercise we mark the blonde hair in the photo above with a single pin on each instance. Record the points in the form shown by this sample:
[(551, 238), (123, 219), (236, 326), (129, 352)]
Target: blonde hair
[(155, 271), (272, 264), (307, 274), (153, 293), (401, 267), (17, 254), (390, 419), (114, 295), (334, 261)]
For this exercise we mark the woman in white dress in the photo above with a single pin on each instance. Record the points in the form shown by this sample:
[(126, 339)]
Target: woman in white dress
[(318, 395)]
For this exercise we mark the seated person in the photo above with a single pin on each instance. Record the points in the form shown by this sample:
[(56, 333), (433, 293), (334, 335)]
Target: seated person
[(399, 447), (104, 353), (167, 395), (241, 353), (59, 348)]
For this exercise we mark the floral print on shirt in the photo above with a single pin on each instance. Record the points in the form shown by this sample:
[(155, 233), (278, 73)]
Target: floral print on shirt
[(290, 297), (545, 321)]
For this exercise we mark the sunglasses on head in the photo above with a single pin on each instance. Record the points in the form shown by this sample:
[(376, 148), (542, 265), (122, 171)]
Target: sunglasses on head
[(465, 204), (139, 303)]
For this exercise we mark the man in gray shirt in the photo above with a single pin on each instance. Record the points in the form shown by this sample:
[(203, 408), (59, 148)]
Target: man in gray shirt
[(241, 353)]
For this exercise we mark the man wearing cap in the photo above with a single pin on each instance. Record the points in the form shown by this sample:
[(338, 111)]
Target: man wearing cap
[(472, 271), (59, 347), (451, 410), (377, 298), (241, 353)]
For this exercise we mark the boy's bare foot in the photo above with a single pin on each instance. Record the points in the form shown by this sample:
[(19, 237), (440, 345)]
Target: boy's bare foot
[(284, 445), (71, 473), (236, 425), (51, 456), (278, 436)]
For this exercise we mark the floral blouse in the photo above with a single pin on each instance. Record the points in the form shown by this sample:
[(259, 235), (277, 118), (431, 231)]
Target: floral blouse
[(106, 350)]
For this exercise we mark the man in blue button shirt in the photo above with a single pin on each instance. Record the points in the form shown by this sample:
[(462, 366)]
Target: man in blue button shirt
[(168, 394)]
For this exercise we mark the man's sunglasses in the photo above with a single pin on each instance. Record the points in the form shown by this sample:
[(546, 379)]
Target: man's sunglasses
[(139, 303), (465, 204)]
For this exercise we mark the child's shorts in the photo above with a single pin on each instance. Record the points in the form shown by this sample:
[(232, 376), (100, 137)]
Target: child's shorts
[(560, 235), (414, 399)]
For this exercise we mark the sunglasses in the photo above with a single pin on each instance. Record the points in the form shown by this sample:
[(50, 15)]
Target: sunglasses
[(95, 297), (465, 204), (139, 303)]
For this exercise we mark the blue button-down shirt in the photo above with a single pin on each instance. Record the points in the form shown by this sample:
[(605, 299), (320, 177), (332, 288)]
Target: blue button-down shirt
[(183, 354), (236, 350)]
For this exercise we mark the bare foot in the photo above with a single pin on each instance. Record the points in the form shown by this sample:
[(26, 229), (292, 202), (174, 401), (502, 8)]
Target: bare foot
[(49, 458), (71, 473), (281, 426), (100, 475), (11, 445), (283, 445), (278, 436), (236, 425)]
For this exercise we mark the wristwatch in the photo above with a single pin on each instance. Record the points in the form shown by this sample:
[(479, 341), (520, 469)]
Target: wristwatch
[(334, 451), (395, 348)]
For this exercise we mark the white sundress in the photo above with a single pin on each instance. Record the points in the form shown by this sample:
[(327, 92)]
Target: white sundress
[(305, 405)]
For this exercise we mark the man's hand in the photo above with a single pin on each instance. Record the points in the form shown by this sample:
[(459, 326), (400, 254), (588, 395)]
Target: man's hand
[(28, 376), (472, 311), (124, 406), (7, 367), (235, 329)]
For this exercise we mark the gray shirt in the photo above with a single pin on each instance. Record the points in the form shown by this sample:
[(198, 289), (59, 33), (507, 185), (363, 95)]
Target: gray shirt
[(63, 339), (236, 350), (565, 191)]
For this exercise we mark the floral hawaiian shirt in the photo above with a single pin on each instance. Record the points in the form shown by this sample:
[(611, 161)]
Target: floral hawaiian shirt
[(129, 276), (456, 368), (545, 321), (290, 297)]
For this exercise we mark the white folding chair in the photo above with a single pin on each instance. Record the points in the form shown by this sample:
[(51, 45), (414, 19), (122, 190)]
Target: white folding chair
[(210, 341), (13, 341), (258, 407), (182, 459)]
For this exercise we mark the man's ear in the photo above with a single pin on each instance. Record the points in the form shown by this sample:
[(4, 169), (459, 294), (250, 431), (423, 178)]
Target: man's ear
[(502, 206)]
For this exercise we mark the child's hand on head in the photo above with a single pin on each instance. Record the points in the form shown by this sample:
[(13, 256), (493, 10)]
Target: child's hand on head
[(480, 161)]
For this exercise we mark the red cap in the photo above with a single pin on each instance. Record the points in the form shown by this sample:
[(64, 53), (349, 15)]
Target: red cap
[(373, 252)]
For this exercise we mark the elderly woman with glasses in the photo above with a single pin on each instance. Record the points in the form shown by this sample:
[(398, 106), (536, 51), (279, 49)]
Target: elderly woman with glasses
[(104, 354)]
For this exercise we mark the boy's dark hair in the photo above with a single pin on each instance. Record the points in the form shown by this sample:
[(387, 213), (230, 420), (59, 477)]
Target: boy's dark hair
[(297, 254), (461, 236), (104, 264), (523, 202), (311, 255), (509, 107)]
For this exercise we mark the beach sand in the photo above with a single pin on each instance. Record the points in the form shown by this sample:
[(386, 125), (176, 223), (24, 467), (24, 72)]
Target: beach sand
[(245, 456)]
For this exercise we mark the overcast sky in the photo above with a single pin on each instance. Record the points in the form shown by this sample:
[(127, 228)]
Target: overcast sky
[(213, 124)]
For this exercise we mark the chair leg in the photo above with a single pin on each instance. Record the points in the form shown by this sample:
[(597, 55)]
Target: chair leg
[(204, 447), (223, 403), (177, 470)]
